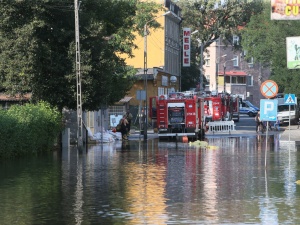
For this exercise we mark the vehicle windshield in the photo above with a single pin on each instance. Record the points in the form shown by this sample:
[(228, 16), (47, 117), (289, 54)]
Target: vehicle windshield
[(251, 105), (283, 108)]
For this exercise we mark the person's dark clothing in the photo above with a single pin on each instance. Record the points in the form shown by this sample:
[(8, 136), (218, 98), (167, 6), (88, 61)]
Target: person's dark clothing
[(258, 122), (129, 118)]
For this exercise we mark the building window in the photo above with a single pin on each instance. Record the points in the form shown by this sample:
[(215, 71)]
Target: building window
[(160, 91), (207, 80), (235, 60), (250, 80), (238, 80), (207, 60), (235, 40), (250, 62)]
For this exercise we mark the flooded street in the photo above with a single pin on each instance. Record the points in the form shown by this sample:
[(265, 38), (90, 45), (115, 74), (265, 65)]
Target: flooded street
[(155, 183)]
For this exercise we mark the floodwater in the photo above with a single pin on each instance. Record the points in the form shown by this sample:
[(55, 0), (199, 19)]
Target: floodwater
[(243, 180)]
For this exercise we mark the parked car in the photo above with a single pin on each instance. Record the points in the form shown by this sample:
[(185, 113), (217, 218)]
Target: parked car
[(248, 108)]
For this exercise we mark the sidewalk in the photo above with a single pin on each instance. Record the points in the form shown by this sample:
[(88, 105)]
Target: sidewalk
[(286, 135), (292, 134)]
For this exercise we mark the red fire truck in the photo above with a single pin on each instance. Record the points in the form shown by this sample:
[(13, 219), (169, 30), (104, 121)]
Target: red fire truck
[(221, 107), (180, 115)]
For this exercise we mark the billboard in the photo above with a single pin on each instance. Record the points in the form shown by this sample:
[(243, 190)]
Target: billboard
[(285, 10), (293, 52), (186, 47)]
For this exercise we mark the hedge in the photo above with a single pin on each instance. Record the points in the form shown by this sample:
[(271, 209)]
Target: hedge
[(28, 129)]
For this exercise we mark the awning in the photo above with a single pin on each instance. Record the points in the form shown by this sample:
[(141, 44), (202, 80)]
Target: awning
[(125, 99), (234, 73)]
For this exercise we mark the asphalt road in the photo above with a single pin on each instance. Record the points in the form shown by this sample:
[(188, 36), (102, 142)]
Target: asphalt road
[(246, 123), (245, 127)]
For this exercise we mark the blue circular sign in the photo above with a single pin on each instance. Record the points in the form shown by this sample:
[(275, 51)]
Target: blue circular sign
[(269, 89)]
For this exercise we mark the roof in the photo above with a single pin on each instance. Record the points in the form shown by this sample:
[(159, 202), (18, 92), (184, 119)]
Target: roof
[(9, 98), (125, 99), (150, 73), (234, 73)]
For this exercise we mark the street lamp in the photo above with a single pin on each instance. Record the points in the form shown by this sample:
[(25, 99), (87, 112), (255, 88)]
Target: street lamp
[(224, 66), (145, 73), (217, 72)]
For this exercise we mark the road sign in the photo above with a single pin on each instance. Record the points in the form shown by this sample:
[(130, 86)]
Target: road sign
[(268, 109), (269, 89), (141, 95), (289, 99)]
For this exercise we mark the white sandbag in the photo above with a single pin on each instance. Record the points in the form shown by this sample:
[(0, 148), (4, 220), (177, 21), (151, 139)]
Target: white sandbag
[(106, 137), (116, 135)]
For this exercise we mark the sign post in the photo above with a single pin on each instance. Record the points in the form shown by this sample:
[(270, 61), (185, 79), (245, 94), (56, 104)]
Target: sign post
[(268, 89), (289, 99)]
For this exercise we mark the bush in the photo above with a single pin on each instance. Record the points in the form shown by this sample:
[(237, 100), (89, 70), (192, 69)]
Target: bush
[(28, 129)]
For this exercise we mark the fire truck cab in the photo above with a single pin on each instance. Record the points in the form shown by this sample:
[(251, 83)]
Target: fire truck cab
[(177, 115)]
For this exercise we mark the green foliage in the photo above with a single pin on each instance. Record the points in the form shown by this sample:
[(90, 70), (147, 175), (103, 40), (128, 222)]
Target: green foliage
[(28, 129), (37, 49), (265, 40), (214, 19)]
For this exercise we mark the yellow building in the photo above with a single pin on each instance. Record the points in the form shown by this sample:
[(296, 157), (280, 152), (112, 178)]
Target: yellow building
[(158, 56)]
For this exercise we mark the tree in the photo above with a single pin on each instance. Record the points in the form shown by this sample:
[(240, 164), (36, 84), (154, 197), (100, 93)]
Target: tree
[(37, 49), (265, 40), (214, 19)]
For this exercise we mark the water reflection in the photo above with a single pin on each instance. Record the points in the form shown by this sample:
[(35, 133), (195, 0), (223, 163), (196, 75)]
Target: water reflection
[(155, 183)]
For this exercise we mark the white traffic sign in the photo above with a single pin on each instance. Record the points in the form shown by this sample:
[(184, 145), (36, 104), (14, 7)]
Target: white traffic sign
[(289, 99), (268, 109)]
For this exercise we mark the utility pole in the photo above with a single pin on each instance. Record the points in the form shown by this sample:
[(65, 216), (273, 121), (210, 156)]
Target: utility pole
[(145, 83), (78, 78), (200, 68), (224, 67), (217, 72)]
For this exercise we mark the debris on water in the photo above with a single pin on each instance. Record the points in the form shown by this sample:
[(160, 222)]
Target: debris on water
[(212, 147), (203, 144), (198, 143)]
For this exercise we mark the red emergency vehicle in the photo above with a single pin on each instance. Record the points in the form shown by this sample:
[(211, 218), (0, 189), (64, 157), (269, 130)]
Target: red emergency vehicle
[(177, 115), (221, 107)]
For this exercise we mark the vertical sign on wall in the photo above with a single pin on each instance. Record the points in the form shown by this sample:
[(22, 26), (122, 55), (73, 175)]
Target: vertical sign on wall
[(186, 47)]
